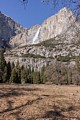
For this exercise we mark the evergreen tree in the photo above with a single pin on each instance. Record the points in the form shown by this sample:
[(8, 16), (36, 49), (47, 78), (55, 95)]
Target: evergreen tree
[(18, 71), (1, 73), (23, 76), (19, 74), (42, 74), (17, 64), (5, 75), (78, 64), (2, 61), (29, 70), (8, 71), (36, 77), (12, 65), (14, 76), (29, 76), (2, 64)]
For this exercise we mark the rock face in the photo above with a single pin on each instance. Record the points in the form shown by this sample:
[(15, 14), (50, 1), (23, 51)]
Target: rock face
[(36, 63), (8, 28), (58, 38), (63, 21), (25, 38)]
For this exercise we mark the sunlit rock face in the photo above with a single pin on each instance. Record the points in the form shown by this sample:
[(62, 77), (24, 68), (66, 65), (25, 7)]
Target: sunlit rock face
[(58, 24), (28, 37), (63, 22)]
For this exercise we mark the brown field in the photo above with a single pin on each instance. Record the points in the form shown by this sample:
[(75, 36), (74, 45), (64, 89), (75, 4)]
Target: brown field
[(39, 102)]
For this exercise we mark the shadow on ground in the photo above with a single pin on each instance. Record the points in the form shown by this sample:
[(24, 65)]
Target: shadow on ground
[(9, 92)]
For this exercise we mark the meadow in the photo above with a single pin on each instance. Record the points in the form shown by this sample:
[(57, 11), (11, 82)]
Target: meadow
[(39, 102)]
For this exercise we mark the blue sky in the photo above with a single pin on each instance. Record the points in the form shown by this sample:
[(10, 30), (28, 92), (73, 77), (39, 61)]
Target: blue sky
[(34, 13)]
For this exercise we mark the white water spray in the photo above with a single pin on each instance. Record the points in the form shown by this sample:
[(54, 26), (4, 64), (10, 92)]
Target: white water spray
[(36, 36)]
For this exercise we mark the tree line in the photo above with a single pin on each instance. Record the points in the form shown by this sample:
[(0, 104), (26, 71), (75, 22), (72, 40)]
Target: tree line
[(60, 73), (57, 73), (11, 73)]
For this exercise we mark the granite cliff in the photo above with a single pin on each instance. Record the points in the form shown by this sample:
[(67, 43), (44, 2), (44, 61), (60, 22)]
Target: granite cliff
[(60, 23), (8, 28), (57, 38)]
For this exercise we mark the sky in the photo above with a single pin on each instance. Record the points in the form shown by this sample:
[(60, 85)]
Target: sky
[(35, 12)]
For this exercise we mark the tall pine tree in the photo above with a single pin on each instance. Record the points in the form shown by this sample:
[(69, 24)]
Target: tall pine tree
[(2, 61)]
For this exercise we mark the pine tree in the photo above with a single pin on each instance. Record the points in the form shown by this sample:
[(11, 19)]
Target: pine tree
[(29, 70), (8, 71), (42, 74), (2, 64), (23, 76), (1, 73), (29, 76), (78, 64), (17, 64), (19, 74), (36, 77), (12, 65), (14, 76), (18, 71), (2, 61), (5, 75)]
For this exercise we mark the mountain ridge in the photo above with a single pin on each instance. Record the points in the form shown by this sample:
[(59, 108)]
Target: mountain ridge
[(50, 28), (8, 28)]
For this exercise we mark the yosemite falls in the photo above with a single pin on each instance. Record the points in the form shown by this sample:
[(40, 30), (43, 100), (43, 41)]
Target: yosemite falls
[(36, 36)]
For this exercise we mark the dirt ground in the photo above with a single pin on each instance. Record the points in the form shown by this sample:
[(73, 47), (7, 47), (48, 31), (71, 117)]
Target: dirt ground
[(39, 102)]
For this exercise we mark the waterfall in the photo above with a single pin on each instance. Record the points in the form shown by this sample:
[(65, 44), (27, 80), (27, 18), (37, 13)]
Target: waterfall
[(36, 36)]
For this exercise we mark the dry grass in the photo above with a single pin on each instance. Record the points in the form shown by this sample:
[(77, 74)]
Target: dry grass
[(39, 102)]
